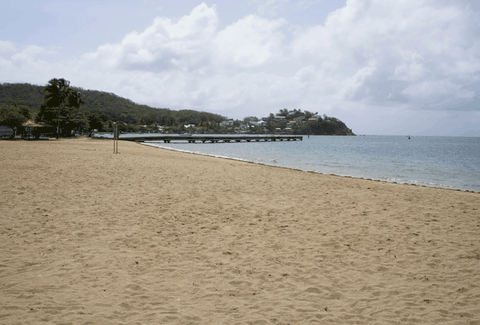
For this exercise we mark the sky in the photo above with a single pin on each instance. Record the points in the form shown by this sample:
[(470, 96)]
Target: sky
[(384, 67)]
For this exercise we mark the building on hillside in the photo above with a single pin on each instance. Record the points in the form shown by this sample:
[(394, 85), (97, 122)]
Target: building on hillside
[(259, 123), (226, 123)]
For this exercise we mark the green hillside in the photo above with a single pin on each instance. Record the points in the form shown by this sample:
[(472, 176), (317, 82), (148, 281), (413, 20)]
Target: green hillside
[(100, 109), (109, 106)]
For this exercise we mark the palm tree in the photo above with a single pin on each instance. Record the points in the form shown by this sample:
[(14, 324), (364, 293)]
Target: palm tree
[(283, 112), (60, 104)]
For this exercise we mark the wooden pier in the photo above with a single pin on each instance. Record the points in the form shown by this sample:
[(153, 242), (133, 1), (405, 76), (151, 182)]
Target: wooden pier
[(211, 138)]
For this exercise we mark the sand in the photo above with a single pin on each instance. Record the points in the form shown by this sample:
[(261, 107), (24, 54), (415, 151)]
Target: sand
[(151, 236)]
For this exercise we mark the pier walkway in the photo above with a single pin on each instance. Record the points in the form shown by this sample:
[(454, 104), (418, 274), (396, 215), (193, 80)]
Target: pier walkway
[(212, 138)]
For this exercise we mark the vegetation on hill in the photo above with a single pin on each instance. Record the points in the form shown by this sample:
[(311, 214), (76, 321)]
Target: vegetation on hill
[(99, 110), (72, 109), (298, 122), (60, 106), (13, 116)]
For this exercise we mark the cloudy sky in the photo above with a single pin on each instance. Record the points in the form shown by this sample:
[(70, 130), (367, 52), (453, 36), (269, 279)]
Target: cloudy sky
[(381, 66)]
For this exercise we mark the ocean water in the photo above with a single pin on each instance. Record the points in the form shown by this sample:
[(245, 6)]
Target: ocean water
[(447, 162)]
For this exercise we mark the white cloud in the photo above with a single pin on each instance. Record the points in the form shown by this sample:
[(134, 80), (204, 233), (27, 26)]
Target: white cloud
[(410, 71), (412, 44), (271, 7), (166, 44), (249, 42), (408, 55), (383, 57), (7, 47), (25, 55), (27, 64), (30, 54)]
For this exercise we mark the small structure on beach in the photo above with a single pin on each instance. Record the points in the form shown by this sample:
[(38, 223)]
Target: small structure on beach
[(6, 132), (34, 129)]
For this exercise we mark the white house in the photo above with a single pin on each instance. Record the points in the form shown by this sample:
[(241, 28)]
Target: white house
[(226, 123)]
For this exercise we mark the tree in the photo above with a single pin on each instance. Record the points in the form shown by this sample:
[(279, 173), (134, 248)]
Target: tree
[(269, 125), (60, 106), (94, 121), (295, 113), (283, 112), (13, 116), (82, 123), (309, 115)]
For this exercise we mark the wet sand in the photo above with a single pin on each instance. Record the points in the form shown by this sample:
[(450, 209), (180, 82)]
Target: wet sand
[(151, 236)]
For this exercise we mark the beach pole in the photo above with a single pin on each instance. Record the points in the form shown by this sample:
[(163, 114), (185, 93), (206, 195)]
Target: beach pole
[(115, 138)]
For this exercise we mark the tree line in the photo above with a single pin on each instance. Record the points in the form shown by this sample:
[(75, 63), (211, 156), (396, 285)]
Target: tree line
[(73, 109), (69, 109), (308, 123)]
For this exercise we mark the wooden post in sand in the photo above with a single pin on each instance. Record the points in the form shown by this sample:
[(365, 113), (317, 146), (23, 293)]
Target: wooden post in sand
[(114, 147), (115, 138)]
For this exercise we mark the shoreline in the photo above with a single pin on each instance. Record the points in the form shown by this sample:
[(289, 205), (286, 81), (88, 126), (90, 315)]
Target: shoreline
[(306, 171), (158, 236)]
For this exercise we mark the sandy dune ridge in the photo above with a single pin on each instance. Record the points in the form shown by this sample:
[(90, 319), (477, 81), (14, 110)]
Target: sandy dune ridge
[(151, 236)]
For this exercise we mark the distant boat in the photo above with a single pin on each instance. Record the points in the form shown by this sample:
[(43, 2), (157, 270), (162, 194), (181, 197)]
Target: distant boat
[(408, 137)]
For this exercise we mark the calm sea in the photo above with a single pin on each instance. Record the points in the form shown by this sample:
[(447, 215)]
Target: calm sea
[(448, 162)]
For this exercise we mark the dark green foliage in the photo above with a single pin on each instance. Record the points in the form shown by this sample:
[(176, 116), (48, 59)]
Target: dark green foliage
[(111, 107), (332, 127), (26, 94), (324, 126), (283, 112), (14, 116), (310, 123), (94, 121), (60, 107), (101, 109)]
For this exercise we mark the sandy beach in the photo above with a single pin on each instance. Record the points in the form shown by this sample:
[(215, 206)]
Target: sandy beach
[(152, 236)]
